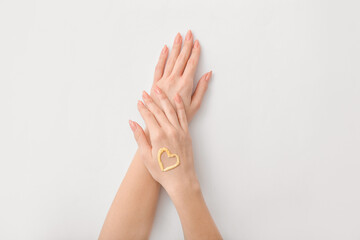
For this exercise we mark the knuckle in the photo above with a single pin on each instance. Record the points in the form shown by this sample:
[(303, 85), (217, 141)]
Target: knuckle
[(162, 97), (157, 111), (170, 62), (172, 133), (171, 77), (180, 109), (186, 85), (192, 62), (182, 55), (148, 114), (156, 136), (181, 106), (152, 91)]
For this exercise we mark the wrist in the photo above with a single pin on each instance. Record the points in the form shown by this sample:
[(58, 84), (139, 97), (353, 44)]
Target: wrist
[(187, 186)]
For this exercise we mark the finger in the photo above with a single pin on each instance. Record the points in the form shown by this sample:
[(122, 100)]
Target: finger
[(199, 92), (184, 54), (139, 135), (181, 112), (167, 107), (192, 64), (173, 55), (148, 117), (156, 111), (159, 69)]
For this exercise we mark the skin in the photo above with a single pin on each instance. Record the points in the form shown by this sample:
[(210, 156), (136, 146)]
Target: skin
[(169, 128), (139, 191)]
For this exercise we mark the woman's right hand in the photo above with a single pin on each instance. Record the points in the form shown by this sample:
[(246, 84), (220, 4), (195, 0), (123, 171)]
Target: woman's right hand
[(167, 128)]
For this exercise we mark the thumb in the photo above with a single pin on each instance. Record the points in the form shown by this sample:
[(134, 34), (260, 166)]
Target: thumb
[(199, 92), (139, 135)]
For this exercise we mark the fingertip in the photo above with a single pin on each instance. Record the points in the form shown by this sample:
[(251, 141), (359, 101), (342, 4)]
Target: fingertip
[(178, 38), (140, 104), (132, 125), (164, 50), (196, 44), (208, 76), (145, 95), (188, 35)]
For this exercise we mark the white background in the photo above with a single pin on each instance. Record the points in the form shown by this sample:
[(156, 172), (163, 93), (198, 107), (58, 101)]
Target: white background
[(277, 141)]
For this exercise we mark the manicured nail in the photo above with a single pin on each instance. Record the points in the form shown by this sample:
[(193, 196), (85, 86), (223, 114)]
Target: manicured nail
[(208, 75), (145, 95), (177, 98), (132, 125), (157, 90), (188, 35), (140, 103), (196, 44), (163, 51), (178, 38)]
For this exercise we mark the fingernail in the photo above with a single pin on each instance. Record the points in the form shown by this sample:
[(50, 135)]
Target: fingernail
[(157, 90), (132, 125), (163, 51), (196, 44), (177, 98), (208, 75), (188, 35), (178, 38), (145, 95), (140, 103)]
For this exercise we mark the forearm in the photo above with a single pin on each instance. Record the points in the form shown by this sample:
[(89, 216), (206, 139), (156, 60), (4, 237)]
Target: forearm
[(132, 212), (195, 217)]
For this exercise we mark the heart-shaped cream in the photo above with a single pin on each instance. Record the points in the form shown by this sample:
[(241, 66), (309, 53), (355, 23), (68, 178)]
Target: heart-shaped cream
[(170, 155)]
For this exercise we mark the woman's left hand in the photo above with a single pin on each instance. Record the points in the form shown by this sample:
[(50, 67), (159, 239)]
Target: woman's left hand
[(176, 74)]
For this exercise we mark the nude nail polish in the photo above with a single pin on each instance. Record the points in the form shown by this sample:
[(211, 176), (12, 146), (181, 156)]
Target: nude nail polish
[(145, 95), (208, 75), (196, 44), (163, 51), (132, 125), (178, 38), (188, 35)]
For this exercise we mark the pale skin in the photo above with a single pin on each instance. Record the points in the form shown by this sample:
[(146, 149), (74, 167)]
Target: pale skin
[(171, 104)]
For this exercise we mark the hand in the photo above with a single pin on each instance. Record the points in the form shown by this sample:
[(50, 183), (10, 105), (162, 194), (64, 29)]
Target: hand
[(167, 128), (176, 75)]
